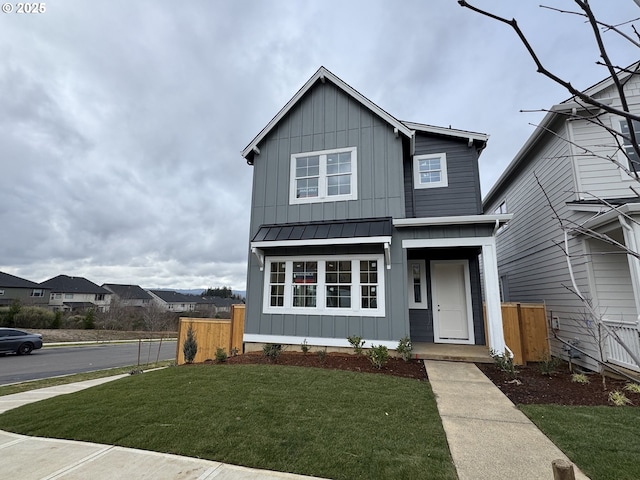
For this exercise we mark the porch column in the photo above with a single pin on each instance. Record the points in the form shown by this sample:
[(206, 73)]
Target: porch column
[(631, 232), (492, 296)]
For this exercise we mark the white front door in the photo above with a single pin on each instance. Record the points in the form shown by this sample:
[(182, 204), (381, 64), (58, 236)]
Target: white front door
[(452, 314)]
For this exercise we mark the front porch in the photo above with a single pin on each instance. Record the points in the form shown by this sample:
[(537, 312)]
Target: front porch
[(451, 352)]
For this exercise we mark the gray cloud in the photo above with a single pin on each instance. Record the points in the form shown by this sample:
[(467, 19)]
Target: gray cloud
[(121, 122)]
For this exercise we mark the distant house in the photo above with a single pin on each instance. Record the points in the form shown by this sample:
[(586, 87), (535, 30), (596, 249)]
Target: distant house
[(26, 292), (365, 225), (174, 301), (586, 190), (76, 293), (129, 295), (215, 305)]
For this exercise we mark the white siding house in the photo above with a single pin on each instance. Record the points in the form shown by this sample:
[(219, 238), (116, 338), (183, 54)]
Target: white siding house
[(563, 172)]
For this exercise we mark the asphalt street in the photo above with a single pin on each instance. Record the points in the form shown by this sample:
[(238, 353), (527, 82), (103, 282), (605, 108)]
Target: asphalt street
[(54, 361)]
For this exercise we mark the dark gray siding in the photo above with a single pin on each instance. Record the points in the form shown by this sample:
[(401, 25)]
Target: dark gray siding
[(461, 197), (23, 295)]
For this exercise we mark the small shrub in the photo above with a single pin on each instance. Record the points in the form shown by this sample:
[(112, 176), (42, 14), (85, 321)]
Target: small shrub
[(378, 355), (632, 387), (221, 355), (322, 354), (357, 343), (619, 399), (32, 317), (190, 345), (272, 351), (89, 320), (56, 323), (405, 348), (234, 352), (548, 364), (504, 362), (304, 346), (580, 378)]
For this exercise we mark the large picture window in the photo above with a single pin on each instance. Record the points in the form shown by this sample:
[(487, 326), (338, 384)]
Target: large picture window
[(323, 176), (430, 171), (338, 285)]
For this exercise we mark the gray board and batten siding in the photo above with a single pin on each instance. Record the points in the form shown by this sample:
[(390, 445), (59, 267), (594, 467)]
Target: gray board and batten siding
[(326, 118), (462, 196)]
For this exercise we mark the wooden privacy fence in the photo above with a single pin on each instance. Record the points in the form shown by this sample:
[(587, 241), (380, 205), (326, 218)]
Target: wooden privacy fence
[(211, 334), (525, 331)]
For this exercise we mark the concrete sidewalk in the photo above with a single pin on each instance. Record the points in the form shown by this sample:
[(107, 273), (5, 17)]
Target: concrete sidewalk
[(34, 458), (488, 436)]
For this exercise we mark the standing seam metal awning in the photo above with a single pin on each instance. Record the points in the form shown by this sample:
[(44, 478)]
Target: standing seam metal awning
[(342, 232)]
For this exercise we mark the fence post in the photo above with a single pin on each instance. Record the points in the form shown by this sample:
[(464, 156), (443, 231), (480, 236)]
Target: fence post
[(563, 470), (522, 334)]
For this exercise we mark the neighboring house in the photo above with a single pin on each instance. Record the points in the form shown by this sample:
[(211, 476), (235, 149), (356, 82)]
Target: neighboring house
[(26, 292), (215, 305), (172, 301), (129, 295), (365, 225), (76, 293), (579, 185)]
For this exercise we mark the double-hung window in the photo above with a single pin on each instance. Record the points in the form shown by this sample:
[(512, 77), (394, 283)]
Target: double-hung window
[(334, 285), (430, 171), (324, 176), (629, 154)]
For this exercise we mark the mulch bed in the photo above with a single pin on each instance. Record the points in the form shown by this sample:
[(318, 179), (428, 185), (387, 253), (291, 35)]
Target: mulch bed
[(531, 387)]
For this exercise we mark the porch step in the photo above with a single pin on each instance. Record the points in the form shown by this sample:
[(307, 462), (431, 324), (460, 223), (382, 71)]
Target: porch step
[(452, 352)]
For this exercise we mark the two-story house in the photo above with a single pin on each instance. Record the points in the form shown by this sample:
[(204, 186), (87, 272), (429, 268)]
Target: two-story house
[(24, 291), (365, 225), (573, 169), (173, 301), (129, 295), (76, 293)]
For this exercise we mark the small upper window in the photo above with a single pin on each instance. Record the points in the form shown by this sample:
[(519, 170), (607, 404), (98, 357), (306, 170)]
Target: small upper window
[(430, 171), (628, 153), (37, 292), (501, 209), (1, 292), (328, 175)]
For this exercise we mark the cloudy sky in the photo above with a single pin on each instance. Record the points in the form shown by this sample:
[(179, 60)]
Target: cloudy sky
[(122, 122)]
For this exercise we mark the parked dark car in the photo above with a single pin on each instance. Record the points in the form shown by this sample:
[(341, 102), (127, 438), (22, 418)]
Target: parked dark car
[(19, 341)]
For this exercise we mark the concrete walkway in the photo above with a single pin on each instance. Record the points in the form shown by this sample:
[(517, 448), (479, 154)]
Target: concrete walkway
[(488, 436), (34, 458)]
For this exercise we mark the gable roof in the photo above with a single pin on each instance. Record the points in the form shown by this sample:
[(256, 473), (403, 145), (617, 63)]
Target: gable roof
[(67, 284), (11, 281), (170, 296), (128, 292), (322, 75), (560, 109)]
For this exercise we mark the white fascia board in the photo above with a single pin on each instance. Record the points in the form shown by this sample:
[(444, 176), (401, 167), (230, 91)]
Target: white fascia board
[(314, 341), (448, 242), (450, 132), (612, 215), (321, 241), (454, 220), (325, 74)]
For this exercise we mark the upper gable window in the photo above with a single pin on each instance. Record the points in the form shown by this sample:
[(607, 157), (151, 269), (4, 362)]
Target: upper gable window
[(324, 176), (628, 153), (430, 171)]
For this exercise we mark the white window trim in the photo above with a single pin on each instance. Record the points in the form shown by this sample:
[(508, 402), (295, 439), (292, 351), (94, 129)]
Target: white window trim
[(321, 308), (424, 304), (444, 179), (322, 178)]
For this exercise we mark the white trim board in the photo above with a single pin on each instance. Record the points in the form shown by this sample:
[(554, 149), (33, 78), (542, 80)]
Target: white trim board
[(448, 242), (321, 241), (453, 220)]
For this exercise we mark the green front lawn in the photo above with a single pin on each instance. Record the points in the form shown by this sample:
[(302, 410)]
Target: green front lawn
[(603, 441), (327, 423)]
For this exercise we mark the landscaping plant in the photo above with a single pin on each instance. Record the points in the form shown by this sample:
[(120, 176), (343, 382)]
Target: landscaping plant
[(378, 355), (405, 348), (579, 378), (272, 351), (619, 399), (504, 362), (548, 364), (304, 346), (357, 343), (190, 345), (221, 355), (322, 354)]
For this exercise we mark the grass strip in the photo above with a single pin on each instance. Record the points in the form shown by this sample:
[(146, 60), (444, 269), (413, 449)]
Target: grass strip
[(327, 423), (603, 441), (76, 377)]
